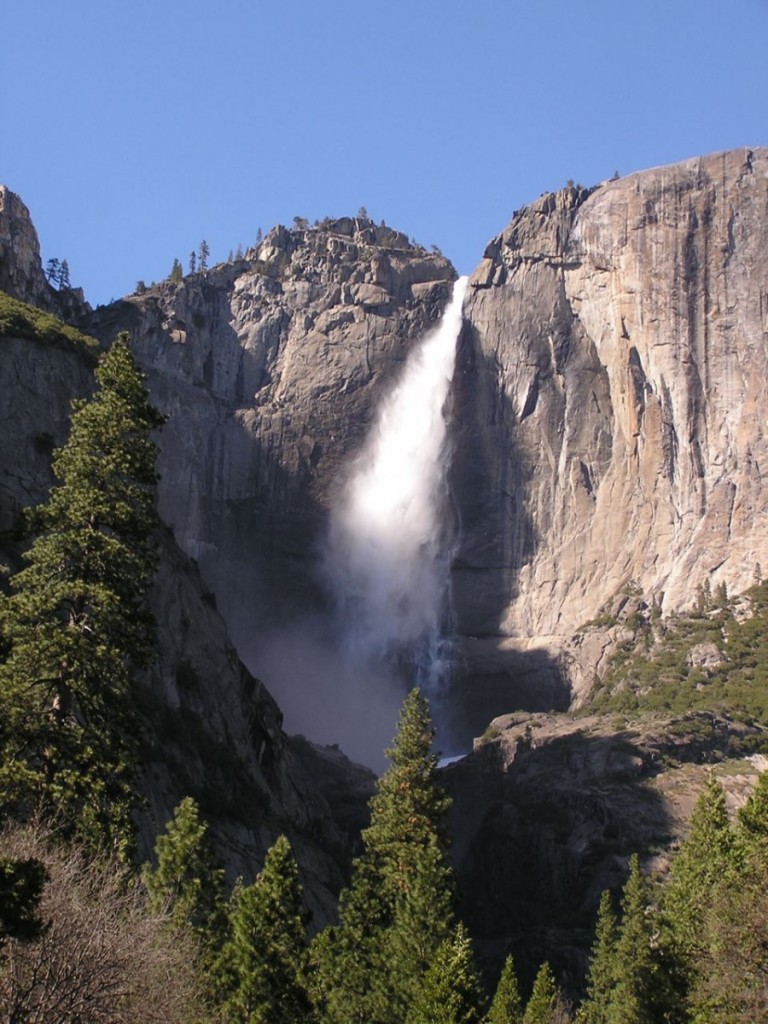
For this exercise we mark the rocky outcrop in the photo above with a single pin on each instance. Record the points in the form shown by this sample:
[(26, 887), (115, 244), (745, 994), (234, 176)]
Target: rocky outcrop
[(37, 384), (548, 809), (21, 271), (610, 436), (268, 369)]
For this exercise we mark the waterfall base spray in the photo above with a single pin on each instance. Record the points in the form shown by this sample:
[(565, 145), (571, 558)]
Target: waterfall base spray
[(388, 550)]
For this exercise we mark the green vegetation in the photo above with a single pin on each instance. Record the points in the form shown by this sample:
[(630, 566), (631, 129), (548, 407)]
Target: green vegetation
[(658, 669), (543, 1007), (398, 908), (602, 975), (450, 992), (57, 272), (18, 320), (507, 1006), (186, 881), (263, 964), (21, 887), (76, 625), (692, 951), (697, 869)]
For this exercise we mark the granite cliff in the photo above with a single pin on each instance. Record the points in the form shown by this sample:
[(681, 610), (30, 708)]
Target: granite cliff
[(610, 438), (21, 270), (605, 412), (269, 369)]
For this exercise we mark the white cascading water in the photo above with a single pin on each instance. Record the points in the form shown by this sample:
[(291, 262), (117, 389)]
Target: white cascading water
[(387, 557)]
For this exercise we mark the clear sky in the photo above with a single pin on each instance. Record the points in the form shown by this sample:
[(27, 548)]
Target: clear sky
[(133, 130)]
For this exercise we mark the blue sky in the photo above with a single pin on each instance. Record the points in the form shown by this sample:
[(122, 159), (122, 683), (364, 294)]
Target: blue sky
[(134, 130)]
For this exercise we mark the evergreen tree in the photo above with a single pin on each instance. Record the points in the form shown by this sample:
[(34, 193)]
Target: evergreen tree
[(202, 257), (728, 976), (753, 817), (397, 909), (21, 886), (76, 625), (634, 996), (63, 276), (176, 273), (193, 262), (52, 270), (422, 910), (601, 979), (186, 880), (264, 961), (450, 991), (730, 983), (507, 1006), (696, 870), (542, 1005)]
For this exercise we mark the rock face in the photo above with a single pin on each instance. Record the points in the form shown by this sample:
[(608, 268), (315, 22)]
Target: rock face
[(21, 271), (268, 369), (215, 732), (548, 809), (610, 436), (37, 384), (212, 729)]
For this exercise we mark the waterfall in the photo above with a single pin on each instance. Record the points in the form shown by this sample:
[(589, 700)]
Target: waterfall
[(388, 550)]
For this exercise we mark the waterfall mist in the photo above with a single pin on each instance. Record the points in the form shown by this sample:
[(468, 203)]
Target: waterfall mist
[(385, 563), (387, 555)]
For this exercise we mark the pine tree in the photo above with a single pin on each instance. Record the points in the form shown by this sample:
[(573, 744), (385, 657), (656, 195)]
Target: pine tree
[(202, 256), (186, 880), (753, 817), (397, 909), (507, 1006), (541, 1006), (450, 991), (193, 262), (264, 961), (601, 979), (697, 868), (21, 886), (52, 269), (76, 624), (728, 977), (634, 994), (63, 276), (176, 273), (730, 981)]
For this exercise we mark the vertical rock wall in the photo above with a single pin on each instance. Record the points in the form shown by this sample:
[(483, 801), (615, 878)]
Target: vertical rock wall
[(610, 413), (268, 370), (21, 270)]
